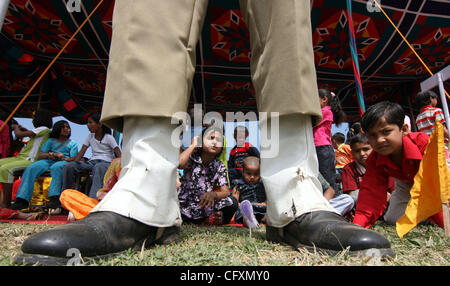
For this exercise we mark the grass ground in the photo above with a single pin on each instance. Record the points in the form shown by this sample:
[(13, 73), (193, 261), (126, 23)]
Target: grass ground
[(233, 246)]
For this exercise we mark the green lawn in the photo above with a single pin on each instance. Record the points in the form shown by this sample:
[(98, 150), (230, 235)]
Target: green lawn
[(232, 246)]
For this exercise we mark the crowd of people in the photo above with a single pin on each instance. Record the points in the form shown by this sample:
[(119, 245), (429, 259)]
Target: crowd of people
[(50, 148), (364, 176)]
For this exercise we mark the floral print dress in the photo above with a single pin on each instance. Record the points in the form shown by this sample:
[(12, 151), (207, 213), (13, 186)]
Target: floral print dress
[(198, 179)]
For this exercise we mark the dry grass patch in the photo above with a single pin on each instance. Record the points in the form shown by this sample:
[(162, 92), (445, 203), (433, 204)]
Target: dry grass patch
[(232, 246)]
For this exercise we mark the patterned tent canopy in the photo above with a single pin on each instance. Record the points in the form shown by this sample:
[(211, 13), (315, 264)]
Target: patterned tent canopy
[(34, 31)]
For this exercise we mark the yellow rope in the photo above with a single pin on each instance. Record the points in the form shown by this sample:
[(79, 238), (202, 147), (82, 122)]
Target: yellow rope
[(407, 42), (49, 66)]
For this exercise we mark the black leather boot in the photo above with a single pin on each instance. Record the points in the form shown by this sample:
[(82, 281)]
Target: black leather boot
[(99, 234), (330, 233)]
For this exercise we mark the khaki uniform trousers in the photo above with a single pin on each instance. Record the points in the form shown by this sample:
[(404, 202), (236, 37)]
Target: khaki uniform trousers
[(152, 63), (152, 57)]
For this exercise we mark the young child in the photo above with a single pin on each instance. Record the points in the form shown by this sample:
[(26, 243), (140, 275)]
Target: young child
[(204, 194), (355, 129), (104, 150), (239, 152), (429, 113), (353, 172), (394, 155), (42, 122), (342, 203), (343, 152), (331, 112), (54, 154), (249, 191)]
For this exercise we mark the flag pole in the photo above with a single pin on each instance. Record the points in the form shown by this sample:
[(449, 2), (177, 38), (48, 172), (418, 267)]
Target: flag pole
[(445, 207)]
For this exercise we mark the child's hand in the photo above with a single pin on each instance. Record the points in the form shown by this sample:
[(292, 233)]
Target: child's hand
[(235, 193), (207, 200), (195, 141)]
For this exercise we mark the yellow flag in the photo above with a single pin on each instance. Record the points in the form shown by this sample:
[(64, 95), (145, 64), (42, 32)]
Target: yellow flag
[(431, 184)]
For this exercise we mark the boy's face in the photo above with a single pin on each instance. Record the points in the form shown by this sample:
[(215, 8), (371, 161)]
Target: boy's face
[(386, 139), (240, 136), (251, 174), (334, 143), (361, 151)]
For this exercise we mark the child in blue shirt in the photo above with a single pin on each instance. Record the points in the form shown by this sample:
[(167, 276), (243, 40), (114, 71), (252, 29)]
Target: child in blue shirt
[(249, 191)]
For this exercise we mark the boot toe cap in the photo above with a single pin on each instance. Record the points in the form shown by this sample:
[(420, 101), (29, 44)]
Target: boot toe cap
[(58, 241)]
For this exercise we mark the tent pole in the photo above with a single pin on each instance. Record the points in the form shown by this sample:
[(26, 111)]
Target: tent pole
[(443, 99), (3, 8)]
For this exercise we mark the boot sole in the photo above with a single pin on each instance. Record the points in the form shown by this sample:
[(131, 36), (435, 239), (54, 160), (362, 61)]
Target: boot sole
[(171, 236), (273, 236)]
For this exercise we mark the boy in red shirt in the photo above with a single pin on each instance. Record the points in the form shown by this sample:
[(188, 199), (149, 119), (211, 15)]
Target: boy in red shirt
[(394, 154), (352, 173)]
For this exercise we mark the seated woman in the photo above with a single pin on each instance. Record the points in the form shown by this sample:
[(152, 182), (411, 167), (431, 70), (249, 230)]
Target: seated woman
[(104, 150), (42, 122), (79, 205), (54, 154), (204, 194)]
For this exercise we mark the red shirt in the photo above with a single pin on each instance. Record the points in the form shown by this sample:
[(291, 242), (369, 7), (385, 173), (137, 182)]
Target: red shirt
[(375, 183), (351, 177), (238, 154)]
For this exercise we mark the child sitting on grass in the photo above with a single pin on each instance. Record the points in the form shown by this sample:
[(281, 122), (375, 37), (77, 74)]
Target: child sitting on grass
[(342, 203), (353, 172), (395, 154), (200, 200), (249, 191), (239, 152)]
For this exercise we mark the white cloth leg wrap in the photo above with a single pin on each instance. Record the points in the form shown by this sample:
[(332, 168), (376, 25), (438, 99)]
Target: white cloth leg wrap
[(146, 189), (290, 178)]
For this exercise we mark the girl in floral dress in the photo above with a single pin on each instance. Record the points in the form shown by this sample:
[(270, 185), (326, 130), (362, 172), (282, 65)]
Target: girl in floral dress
[(204, 194)]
